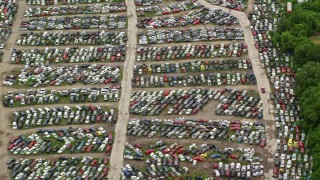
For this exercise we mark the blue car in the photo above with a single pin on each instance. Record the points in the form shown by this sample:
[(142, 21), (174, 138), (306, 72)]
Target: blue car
[(214, 156)]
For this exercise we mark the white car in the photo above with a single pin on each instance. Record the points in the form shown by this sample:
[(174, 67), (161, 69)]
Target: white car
[(181, 157), (14, 125)]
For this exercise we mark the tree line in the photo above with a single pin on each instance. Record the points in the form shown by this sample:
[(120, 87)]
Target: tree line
[(292, 35)]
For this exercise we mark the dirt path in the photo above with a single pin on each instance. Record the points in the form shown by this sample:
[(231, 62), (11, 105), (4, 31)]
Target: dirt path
[(262, 79), (123, 117), (250, 5), (5, 129)]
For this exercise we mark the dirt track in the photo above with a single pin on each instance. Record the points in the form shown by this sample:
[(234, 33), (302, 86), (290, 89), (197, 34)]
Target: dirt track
[(123, 117), (262, 79)]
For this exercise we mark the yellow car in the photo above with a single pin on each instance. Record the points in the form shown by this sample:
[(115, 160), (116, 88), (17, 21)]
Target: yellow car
[(290, 142), (281, 170), (204, 155), (99, 133), (295, 143), (202, 67)]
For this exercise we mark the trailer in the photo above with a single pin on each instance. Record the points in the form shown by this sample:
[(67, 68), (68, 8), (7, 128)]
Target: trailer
[(289, 7)]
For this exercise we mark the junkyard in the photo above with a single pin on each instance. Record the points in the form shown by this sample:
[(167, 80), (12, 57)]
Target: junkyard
[(148, 89)]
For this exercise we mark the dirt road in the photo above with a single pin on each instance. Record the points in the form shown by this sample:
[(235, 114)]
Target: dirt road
[(4, 128), (123, 117), (262, 79)]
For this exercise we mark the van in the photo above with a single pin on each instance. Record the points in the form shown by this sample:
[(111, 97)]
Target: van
[(194, 163), (57, 43)]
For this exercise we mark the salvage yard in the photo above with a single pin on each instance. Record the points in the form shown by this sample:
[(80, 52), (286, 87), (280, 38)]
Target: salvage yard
[(140, 89), (46, 119)]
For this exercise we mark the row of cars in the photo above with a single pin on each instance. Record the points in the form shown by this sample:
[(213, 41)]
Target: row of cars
[(71, 140), (54, 76), (146, 2), (75, 22), (189, 51), (202, 16), (39, 57), (74, 95), (194, 80), (180, 128), (291, 160), (71, 38), (7, 13), (65, 2), (239, 5), (64, 115), (195, 66), (165, 160), (190, 35), (63, 167), (71, 10), (185, 102), (181, 6)]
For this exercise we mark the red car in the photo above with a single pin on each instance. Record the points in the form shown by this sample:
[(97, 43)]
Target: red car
[(165, 78), (262, 142), (166, 93), (94, 162), (106, 169), (198, 158), (227, 173), (11, 146), (14, 139), (165, 151), (110, 138), (202, 121), (107, 81), (108, 148), (275, 172), (32, 144), (138, 146), (148, 152), (215, 165), (180, 150), (98, 119), (233, 156), (301, 144), (105, 160)]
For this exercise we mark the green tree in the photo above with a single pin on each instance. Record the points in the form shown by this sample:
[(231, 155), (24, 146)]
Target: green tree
[(306, 52), (299, 30), (313, 141), (287, 41), (308, 76), (310, 105)]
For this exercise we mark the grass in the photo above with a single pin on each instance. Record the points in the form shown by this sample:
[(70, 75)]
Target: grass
[(315, 39)]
